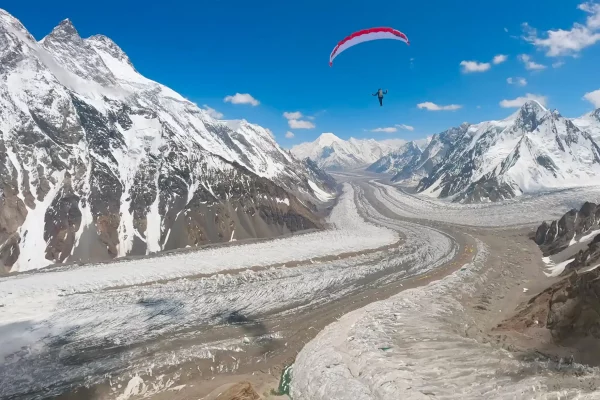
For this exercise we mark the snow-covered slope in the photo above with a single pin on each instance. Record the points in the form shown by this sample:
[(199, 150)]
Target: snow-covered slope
[(590, 123), (534, 149), (435, 149), (331, 152), (97, 161), (407, 154)]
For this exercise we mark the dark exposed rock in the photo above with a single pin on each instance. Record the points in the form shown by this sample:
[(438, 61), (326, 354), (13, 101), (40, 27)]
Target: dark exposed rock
[(62, 221), (570, 311), (555, 236), (589, 257), (320, 174)]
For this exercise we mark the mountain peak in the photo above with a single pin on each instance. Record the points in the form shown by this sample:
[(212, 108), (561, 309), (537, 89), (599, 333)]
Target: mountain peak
[(531, 115), (74, 54), (327, 139), (64, 31), (9, 25), (533, 106), (107, 45)]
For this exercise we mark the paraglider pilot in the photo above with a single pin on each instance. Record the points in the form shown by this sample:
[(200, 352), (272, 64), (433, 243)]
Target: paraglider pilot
[(380, 94)]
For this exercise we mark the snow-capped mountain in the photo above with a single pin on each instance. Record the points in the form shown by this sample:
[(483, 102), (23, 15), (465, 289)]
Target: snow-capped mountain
[(534, 149), (435, 148), (331, 152), (590, 123), (395, 161), (97, 161)]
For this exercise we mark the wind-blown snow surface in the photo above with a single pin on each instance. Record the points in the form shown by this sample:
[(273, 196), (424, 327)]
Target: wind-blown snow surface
[(590, 123), (331, 152), (54, 323), (100, 162)]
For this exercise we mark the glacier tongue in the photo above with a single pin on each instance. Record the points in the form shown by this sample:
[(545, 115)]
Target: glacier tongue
[(99, 161)]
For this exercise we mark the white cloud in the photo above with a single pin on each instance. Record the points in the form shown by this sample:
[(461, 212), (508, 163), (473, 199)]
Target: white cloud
[(434, 107), (519, 101), (292, 115), (478, 107), (390, 129), (406, 127), (474, 66), (289, 135), (517, 81), (506, 30), (212, 112), (568, 42), (298, 124), (593, 20), (529, 64), (499, 59), (294, 120), (242, 98), (558, 64), (593, 97)]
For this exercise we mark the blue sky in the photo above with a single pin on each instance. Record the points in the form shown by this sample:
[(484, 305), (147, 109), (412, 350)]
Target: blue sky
[(278, 52)]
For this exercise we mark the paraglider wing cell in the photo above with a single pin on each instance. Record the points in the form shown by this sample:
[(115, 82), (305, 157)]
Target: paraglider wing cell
[(366, 35)]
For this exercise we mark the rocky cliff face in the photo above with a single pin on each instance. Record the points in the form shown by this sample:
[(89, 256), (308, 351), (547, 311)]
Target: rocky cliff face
[(97, 161), (555, 236), (573, 227), (570, 312)]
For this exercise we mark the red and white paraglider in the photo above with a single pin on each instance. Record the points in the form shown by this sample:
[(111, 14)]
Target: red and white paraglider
[(367, 35)]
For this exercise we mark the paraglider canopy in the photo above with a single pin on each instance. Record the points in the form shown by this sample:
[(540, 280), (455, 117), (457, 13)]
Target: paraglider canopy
[(366, 35)]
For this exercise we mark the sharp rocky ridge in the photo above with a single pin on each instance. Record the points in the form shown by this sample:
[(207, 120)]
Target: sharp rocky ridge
[(533, 150), (98, 162)]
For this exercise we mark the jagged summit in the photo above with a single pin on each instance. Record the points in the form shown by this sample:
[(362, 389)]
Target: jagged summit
[(533, 105), (101, 42), (72, 53), (531, 115), (65, 29)]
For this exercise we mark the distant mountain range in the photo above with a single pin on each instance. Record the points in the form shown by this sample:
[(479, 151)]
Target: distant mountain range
[(533, 149), (330, 152), (98, 162)]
